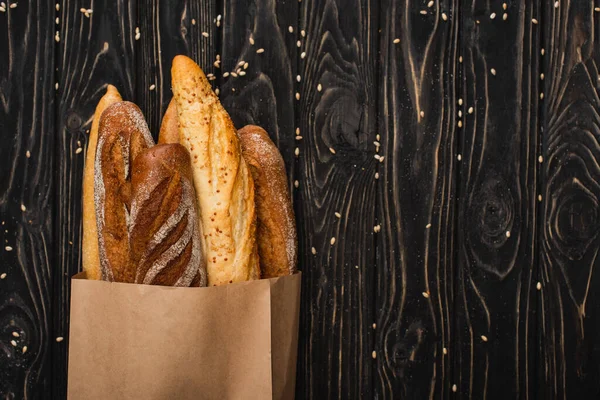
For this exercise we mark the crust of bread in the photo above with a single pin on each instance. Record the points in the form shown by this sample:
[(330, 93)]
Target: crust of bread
[(163, 233), (169, 132), (122, 135), (223, 182), (90, 254), (276, 225)]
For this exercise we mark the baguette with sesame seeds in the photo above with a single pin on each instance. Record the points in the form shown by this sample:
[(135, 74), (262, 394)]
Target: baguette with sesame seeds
[(223, 182)]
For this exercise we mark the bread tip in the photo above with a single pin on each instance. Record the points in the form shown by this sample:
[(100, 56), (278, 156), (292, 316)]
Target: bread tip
[(110, 89)]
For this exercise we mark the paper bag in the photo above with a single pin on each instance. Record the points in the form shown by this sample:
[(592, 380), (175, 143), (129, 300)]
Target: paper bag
[(237, 341)]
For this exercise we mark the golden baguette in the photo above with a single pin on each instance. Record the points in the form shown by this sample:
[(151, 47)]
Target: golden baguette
[(168, 128), (223, 182), (89, 246)]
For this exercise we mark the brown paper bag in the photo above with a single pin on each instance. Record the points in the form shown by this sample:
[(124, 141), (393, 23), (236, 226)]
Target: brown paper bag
[(237, 341)]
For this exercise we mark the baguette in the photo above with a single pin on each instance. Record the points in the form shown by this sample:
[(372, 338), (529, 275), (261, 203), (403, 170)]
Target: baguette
[(89, 246), (223, 183), (276, 226), (163, 231), (169, 132), (123, 134)]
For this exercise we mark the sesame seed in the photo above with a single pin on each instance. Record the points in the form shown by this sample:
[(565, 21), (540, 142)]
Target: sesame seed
[(152, 87), (377, 144), (556, 4), (460, 102), (225, 74), (217, 91), (396, 41), (381, 159), (470, 110), (218, 23), (337, 214), (27, 154), (445, 350), (57, 21), (374, 354), (459, 157), (291, 29), (425, 294), (216, 64), (260, 51), (422, 114), (484, 338), (13, 5), (332, 150), (493, 71), (374, 324), (24, 349), (297, 96), (504, 16), (319, 87), (78, 150), (57, 37), (219, 17), (597, 9), (492, 15), (251, 40), (459, 113), (444, 17), (297, 131), (427, 226), (303, 54), (454, 388), (14, 343), (332, 241), (542, 51), (542, 76), (302, 33), (57, 7), (23, 208), (8, 248), (16, 334), (297, 152), (535, 21), (376, 175), (539, 286), (377, 228), (246, 65), (507, 234), (3, 275), (313, 250), (539, 197), (423, 12), (241, 63), (296, 183), (2, 9), (504, 6), (430, 4), (459, 123), (460, 59), (541, 96), (242, 73), (205, 34), (540, 159), (298, 78)]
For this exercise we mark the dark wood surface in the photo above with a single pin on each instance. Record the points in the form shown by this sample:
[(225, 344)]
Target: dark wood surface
[(462, 264)]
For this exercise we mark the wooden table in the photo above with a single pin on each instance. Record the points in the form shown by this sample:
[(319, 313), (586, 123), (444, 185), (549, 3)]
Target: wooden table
[(444, 162)]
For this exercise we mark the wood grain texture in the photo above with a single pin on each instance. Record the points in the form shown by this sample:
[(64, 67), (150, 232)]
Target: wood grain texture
[(336, 196), (26, 198), (414, 283), (92, 52), (169, 28), (496, 227), (569, 311)]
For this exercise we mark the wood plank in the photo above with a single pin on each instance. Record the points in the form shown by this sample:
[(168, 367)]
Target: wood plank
[(416, 204), (336, 196), (569, 309), (92, 52), (26, 187), (497, 223), (169, 28)]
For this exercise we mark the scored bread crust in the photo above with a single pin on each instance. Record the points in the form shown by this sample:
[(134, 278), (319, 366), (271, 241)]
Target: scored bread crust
[(89, 245), (122, 135), (276, 226), (223, 182), (169, 132), (163, 231)]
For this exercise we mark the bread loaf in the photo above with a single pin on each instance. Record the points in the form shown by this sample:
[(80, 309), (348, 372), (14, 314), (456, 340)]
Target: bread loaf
[(164, 227), (123, 134), (169, 132), (223, 183), (276, 226), (89, 245)]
